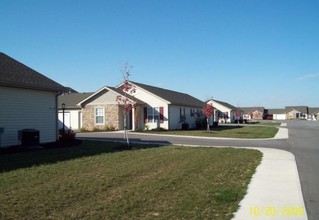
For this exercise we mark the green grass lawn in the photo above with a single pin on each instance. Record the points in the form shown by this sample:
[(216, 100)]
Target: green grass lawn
[(265, 123), (90, 181), (227, 132)]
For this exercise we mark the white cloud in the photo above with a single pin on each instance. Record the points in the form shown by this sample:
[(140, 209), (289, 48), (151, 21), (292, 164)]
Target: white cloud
[(308, 76)]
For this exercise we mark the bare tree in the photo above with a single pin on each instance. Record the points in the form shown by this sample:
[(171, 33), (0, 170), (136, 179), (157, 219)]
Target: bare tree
[(125, 103), (208, 111), (238, 115)]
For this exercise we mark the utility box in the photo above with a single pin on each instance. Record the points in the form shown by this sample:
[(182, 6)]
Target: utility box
[(29, 137), (185, 126)]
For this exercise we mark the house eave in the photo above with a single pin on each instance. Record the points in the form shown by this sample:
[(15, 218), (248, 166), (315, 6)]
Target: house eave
[(31, 87)]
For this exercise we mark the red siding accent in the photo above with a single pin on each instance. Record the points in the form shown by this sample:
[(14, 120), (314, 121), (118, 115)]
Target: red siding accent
[(145, 114), (161, 115)]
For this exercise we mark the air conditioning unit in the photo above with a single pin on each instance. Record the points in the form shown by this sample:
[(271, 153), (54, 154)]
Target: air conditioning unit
[(29, 137)]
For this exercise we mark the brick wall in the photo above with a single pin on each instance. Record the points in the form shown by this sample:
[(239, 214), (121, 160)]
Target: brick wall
[(111, 117)]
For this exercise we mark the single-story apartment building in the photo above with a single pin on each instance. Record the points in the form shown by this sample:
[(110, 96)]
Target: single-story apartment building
[(291, 112), (72, 113), (253, 113), (297, 112), (154, 107), (225, 112), (28, 101), (314, 114), (277, 114)]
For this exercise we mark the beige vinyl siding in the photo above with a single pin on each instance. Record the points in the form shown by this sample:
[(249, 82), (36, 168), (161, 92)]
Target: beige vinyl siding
[(153, 101), (175, 122), (25, 108)]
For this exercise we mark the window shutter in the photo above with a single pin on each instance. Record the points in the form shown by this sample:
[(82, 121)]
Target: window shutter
[(145, 114), (161, 115)]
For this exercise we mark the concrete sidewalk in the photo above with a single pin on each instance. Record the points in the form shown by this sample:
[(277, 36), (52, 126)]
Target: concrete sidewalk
[(274, 191)]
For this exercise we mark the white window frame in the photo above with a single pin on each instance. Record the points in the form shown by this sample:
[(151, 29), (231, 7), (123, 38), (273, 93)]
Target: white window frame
[(153, 114), (99, 114)]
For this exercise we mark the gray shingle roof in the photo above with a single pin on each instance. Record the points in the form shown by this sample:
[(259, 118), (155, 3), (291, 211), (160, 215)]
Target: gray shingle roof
[(175, 98), (276, 111), (71, 100), (302, 109), (119, 91), (15, 74), (105, 89), (226, 104), (313, 110), (248, 110)]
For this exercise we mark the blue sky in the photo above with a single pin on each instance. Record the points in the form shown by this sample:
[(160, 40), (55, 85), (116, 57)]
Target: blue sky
[(244, 52)]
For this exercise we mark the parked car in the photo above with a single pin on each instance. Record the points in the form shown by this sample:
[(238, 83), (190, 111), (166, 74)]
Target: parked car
[(268, 117)]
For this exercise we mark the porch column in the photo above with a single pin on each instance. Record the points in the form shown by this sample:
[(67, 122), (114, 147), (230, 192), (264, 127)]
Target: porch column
[(133, 119)]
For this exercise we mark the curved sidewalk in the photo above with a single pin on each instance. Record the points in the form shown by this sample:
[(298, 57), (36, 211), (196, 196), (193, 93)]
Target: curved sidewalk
[(274, 191)]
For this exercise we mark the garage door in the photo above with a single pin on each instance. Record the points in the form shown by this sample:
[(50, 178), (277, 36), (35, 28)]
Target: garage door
[(279, 117), (67, 123)]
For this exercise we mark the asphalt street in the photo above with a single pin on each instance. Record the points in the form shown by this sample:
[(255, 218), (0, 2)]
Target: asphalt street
[(303, 142)]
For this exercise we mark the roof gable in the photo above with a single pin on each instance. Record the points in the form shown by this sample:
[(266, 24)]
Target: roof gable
[(15, 74), (276, 111), (313, 110), (71, 100), (108, 88), (248, 110), (172, 97), (227, 105), (302, 109)]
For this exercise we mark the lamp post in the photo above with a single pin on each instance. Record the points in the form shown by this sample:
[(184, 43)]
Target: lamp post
[(63, 108)]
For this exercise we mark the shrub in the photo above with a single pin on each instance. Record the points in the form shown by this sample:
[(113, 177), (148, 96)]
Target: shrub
[(159, 129), (201, 123), (109, 128), (95, 128), (67, 135), (83, 129), (146, 127)]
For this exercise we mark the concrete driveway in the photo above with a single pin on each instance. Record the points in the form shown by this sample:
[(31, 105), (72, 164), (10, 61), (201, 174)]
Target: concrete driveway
[(303, 142)]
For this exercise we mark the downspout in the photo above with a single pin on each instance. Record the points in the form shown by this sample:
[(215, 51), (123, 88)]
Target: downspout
[(168, 117), (57, 115)]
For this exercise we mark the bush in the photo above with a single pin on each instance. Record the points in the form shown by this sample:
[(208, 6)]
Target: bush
[(67, 135), (159, 129), (96, 128), (109, 128), (82, 129), (146, 127), (201, 123)]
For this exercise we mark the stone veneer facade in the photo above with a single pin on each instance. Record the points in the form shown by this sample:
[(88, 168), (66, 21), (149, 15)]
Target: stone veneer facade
[(111, 117)]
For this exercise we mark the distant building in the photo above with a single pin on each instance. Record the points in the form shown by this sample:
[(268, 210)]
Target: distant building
[(253, 113), (225, 112)]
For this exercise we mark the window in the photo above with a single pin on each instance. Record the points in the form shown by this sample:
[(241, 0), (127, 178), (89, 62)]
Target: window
[(149, 114), (192, 112), (153, 114), (99, 115), (182, 116)]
